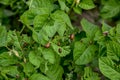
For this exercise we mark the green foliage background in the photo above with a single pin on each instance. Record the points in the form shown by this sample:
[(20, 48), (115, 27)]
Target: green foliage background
[(39, 41)]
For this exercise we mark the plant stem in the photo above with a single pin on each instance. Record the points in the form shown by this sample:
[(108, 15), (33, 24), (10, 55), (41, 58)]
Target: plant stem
[(8, 48), (22, 29), (72, 6), (29, 27)]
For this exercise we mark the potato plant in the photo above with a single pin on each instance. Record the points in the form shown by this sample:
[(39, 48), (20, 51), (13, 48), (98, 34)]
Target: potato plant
[(39, 40)]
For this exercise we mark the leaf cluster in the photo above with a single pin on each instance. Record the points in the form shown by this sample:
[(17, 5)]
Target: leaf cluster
[(43, 44)]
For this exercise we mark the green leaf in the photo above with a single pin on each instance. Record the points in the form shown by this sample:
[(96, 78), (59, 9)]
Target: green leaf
[(26, 38), (13, 38), (3, 36), (49, 55), (6, 59), (118, 33), (89, 74), (110, 9), (89, 28), (28, 68), (108, 68), (85, 41), (105, 27), (87, 4), (41, 4), (112, 31), (98, 35), (44, 40), (10, 70), (118, 29), (54, 71), (50, 30), (40, 20), (5, 2), (63, 6), (113, 50), (69, 1), (35, 58), (103, 2), (77, 10), (5, 13), (87, 55), (38, 76), (28, 16), (79, 48), (60, 15), (62, 28), (36, 36), (62, 51), (40, 37)]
